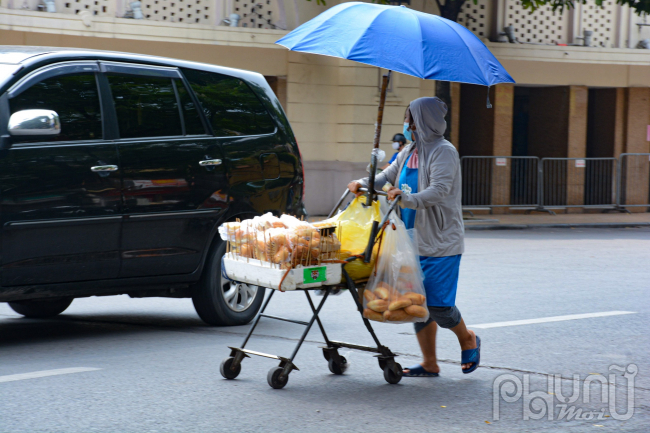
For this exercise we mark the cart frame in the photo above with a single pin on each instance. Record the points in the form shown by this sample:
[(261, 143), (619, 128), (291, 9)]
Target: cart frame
[(278, 376)]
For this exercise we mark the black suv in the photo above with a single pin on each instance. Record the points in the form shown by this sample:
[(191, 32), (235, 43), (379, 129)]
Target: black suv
[(116, 170)]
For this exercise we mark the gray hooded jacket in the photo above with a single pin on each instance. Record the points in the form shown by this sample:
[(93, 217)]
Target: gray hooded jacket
[(439, 215)]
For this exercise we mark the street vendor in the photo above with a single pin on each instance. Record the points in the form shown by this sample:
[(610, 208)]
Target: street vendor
[(399, 141), (427, 176)]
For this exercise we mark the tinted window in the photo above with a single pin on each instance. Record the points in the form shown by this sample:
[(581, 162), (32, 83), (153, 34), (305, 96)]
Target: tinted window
[(74, 98), (191, 116), (229, 104), (145, 106)]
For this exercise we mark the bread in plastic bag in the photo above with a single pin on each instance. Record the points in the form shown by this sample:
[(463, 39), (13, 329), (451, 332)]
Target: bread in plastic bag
[(395, 290), (353, 231)]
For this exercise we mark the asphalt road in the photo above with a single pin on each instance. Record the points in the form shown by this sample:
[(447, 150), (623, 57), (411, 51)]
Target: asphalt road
[(152, 366)]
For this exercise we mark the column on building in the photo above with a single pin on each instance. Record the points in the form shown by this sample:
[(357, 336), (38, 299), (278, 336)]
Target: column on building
[(635, 173), (486, 131), (577, 146)]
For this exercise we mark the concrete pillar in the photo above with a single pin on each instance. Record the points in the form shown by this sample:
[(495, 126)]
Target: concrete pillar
[(636, 169), (502, 105), (576, 145)]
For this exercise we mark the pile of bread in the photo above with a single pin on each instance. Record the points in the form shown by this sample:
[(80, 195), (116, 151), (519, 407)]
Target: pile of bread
[(394, 304), (285, 241)]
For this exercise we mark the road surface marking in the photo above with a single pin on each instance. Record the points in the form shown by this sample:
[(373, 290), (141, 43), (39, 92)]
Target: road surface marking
[(45, 373), (550, 319)]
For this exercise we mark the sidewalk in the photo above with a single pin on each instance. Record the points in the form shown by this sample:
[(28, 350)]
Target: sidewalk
[(537, 220)]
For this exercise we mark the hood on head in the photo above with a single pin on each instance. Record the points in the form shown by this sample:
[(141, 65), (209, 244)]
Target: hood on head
[(429, 118)]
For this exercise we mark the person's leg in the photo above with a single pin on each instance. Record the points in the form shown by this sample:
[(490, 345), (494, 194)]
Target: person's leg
[(466, 338), (427, 339)]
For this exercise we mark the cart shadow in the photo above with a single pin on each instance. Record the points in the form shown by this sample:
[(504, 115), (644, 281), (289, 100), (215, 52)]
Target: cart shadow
[(365, 392)]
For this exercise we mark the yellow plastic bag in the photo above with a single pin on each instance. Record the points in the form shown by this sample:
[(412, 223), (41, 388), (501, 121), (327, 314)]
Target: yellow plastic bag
[(353, 230)]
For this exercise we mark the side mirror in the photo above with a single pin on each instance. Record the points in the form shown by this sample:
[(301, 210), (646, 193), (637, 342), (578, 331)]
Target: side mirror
[(34, 122)]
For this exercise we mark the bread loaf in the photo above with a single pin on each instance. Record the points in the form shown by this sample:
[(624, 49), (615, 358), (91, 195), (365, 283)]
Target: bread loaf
[(382, 293), (281, 256), (416, 298), (406, 269), (369, 295), (416, 311), (378, 305), (246, 251), (396, 315), (373, 315), (399, 303)]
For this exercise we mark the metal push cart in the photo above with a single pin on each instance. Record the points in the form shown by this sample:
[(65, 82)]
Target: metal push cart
[(278, 376)]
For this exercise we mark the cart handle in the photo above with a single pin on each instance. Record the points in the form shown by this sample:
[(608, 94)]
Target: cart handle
[(344, 196)]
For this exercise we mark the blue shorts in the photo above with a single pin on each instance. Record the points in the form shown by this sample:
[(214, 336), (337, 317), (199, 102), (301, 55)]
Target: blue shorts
[(441, 279)]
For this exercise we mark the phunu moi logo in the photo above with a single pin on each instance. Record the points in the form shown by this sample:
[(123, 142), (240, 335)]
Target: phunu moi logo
[(543, 403)]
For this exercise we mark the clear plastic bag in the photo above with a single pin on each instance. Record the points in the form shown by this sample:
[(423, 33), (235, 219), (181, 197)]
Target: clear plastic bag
[(395, 292)]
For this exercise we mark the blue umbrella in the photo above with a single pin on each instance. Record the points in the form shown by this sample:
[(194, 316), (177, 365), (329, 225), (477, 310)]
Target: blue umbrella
[(399, 39)]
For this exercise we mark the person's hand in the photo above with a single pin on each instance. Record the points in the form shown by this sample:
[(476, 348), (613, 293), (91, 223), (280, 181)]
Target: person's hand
[(354, 188), (392, 193)]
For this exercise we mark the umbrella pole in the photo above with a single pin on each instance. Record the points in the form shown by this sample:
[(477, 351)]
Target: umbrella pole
[(373, 157)]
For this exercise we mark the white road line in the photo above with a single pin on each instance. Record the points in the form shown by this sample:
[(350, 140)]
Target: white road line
[(45, 373), (550, 319)]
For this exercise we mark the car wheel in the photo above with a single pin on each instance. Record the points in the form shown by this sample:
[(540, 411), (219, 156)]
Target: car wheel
[(39, 308), (221, 302)]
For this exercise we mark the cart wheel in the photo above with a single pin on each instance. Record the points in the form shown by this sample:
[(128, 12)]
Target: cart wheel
[(390, 375), (326, 355), (273, 378), (338, 368), (226, 368), (382, 363)]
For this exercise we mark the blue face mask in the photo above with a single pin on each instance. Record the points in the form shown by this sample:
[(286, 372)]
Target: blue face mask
[(407, 132)]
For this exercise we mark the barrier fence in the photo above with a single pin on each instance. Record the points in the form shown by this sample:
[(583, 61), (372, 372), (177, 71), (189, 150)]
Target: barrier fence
[(578, 182), (634, 180), (499, 181), (541, 184)]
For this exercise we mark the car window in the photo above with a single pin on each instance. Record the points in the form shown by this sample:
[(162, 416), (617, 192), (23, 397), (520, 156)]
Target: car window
[(229, 104), (145, 106), (74, 98), (191, 116)]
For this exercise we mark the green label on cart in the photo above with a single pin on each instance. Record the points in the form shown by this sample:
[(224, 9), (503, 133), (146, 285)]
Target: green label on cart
[(315, 275)]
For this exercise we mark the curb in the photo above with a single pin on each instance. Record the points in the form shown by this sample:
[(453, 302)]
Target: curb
[(556, 226)]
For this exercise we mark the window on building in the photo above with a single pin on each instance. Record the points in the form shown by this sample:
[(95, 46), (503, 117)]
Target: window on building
[(229, 104), (73, 97), (145, 106)]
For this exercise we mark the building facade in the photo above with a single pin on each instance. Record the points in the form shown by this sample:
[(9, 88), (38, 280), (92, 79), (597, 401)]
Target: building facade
[(570, 100)]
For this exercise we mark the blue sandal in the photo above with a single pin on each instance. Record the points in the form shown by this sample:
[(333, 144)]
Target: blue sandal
[(418, 371), (471, 356)]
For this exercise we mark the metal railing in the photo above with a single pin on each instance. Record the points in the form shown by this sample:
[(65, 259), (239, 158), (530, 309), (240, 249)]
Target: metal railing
[(499, 181), (633, 189), (542, 184), (578, 182)]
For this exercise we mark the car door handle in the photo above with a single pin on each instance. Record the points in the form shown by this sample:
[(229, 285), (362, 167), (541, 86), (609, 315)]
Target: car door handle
[(210, 162), (103, 168)]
